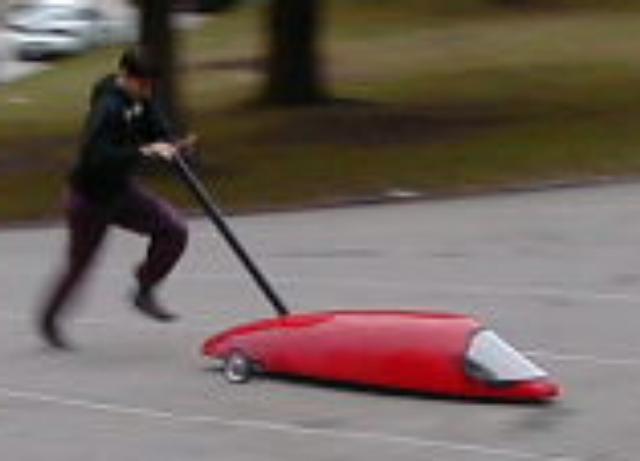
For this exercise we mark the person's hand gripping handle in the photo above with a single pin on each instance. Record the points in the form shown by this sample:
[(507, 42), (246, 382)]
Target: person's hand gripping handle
[(168, 150)]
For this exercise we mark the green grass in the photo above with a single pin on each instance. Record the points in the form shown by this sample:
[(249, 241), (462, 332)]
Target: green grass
[(444, 101)]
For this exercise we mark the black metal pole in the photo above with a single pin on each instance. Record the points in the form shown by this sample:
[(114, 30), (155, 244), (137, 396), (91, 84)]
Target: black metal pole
[(203, 197)]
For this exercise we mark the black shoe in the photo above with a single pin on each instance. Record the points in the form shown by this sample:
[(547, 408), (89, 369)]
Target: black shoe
[(145, 302), (52, 335)]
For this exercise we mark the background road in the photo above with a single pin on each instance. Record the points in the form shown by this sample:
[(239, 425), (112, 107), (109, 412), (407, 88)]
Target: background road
[(11, 68), (556, 273)]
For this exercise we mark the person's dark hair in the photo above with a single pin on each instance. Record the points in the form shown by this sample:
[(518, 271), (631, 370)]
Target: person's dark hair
[(135, 62)]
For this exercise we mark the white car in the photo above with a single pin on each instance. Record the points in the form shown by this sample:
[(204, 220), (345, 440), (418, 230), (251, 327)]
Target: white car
[(42, 31)]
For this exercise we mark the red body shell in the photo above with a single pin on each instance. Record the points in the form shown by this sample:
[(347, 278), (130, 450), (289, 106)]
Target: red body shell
[(412, 351)]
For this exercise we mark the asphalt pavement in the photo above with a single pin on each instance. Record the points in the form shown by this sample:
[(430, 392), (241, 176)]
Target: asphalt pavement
[(556, 273), (11, 68)]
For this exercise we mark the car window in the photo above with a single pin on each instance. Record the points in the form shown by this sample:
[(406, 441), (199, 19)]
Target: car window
[(67, 14), (54, 13), (489, 358), (87, 14), (37, 14)]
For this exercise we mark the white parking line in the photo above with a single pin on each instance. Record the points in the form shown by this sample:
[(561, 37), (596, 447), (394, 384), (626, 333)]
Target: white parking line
[(199, 324), (422, 287), (386, 285), (273, 426), (588, 359), (196, 323)]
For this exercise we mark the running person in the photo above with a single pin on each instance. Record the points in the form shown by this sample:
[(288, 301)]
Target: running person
[(123, 127)]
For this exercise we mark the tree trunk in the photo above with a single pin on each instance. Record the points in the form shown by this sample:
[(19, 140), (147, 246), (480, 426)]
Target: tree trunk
[(293, 63), (158, 39)]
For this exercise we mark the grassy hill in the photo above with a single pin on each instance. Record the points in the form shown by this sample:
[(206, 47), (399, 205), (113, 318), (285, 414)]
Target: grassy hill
[(437, 97)]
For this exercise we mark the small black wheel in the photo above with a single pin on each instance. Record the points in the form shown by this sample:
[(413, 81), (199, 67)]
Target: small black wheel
[(238, 368)]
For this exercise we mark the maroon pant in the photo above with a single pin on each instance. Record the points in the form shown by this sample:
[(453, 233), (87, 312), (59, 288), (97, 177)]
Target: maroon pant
[(137, 211)]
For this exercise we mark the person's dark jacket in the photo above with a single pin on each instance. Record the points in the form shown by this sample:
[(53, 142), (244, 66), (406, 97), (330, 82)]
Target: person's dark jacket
[(115, 129)]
